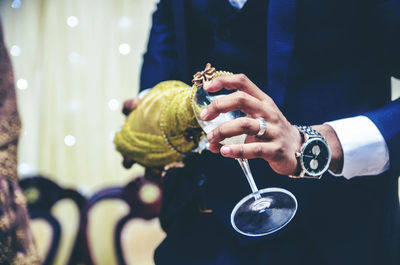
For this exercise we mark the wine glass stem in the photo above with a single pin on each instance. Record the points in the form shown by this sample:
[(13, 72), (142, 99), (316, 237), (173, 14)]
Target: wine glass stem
[(244, 164)]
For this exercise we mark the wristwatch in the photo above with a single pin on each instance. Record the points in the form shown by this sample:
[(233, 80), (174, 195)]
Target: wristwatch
[(314, 155)]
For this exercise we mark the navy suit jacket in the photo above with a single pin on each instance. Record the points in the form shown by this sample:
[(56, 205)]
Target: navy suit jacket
[(326, 60)]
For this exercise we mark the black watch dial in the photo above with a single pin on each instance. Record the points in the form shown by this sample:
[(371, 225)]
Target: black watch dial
[(316, 157)]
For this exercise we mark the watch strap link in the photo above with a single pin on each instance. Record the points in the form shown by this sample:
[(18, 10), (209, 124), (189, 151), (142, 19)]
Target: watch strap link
[(310, 132)]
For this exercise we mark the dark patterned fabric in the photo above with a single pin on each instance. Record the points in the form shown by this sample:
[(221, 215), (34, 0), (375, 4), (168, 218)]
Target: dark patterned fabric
[(16, 241), (10, 124)]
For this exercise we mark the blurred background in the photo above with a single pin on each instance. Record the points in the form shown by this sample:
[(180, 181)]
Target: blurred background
[(75, 62)]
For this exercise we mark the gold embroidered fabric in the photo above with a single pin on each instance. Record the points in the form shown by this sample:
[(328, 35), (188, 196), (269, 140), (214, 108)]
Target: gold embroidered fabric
[(16, 241), (162, 129)]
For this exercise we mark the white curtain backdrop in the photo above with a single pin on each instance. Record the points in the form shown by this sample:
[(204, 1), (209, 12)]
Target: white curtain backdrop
[(75, 62)]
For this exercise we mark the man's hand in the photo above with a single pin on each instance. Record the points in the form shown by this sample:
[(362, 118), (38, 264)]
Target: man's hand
[(277, 145)]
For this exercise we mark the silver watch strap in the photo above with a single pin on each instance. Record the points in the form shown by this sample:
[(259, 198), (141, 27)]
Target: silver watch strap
[(310, 131)]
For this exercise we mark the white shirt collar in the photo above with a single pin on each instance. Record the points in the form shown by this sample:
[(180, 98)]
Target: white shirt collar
[(238, 4)]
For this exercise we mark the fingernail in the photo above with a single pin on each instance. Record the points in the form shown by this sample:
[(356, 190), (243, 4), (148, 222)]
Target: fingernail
[(226, 150), (203, 114)]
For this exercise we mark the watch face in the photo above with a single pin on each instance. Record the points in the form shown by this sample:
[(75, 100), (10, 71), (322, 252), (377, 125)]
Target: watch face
[(316, 157)]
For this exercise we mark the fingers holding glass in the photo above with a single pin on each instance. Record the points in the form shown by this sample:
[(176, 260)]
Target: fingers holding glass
[(235, 101), (254, 215), (232, 82), (244, 125), (272, 152), (269, 141), (249, 150)]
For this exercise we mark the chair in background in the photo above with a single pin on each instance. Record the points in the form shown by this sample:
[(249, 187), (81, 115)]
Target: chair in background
[(42, 194), (143, 198)]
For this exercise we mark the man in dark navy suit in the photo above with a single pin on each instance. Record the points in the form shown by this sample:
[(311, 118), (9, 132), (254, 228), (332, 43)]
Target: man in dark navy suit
[(325, 64)]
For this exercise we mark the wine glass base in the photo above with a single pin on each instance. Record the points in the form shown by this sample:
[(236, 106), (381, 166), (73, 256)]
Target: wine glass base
[(264, 212)]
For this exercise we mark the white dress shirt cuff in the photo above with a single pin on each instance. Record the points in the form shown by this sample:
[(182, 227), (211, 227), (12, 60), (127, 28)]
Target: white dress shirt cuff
[(364, 149)]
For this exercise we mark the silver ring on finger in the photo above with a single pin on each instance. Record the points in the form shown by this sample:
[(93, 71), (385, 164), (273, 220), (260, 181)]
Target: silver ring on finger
[(262, 128)]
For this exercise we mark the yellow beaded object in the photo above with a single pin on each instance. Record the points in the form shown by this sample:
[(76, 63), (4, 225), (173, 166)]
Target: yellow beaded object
[(163, 127)]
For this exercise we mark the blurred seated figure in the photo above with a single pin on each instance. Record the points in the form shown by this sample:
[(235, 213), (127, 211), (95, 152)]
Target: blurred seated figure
[(16, 242)]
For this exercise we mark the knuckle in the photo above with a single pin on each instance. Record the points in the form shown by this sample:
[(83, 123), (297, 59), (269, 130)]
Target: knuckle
[(269, 101), (218, 132), (214, 148), (241, 98), (245, 125), (242, 77), (240, 152), (214, 106), (259, 151), (217, 82), (274, 117), (271, 132), (279, 151)]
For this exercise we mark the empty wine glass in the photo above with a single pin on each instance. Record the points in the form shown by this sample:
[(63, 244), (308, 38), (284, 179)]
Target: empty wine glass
[(263, 211)]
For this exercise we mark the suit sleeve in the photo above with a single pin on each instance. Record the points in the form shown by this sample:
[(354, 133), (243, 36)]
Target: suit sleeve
[(160, 62), (387, 118)]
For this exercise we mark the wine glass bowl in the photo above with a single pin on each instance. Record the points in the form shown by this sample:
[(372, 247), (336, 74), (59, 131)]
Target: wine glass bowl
[(200, 100)]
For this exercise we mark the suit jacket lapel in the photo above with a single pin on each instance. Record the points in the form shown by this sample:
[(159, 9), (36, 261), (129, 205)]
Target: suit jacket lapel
[(281, 34)]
